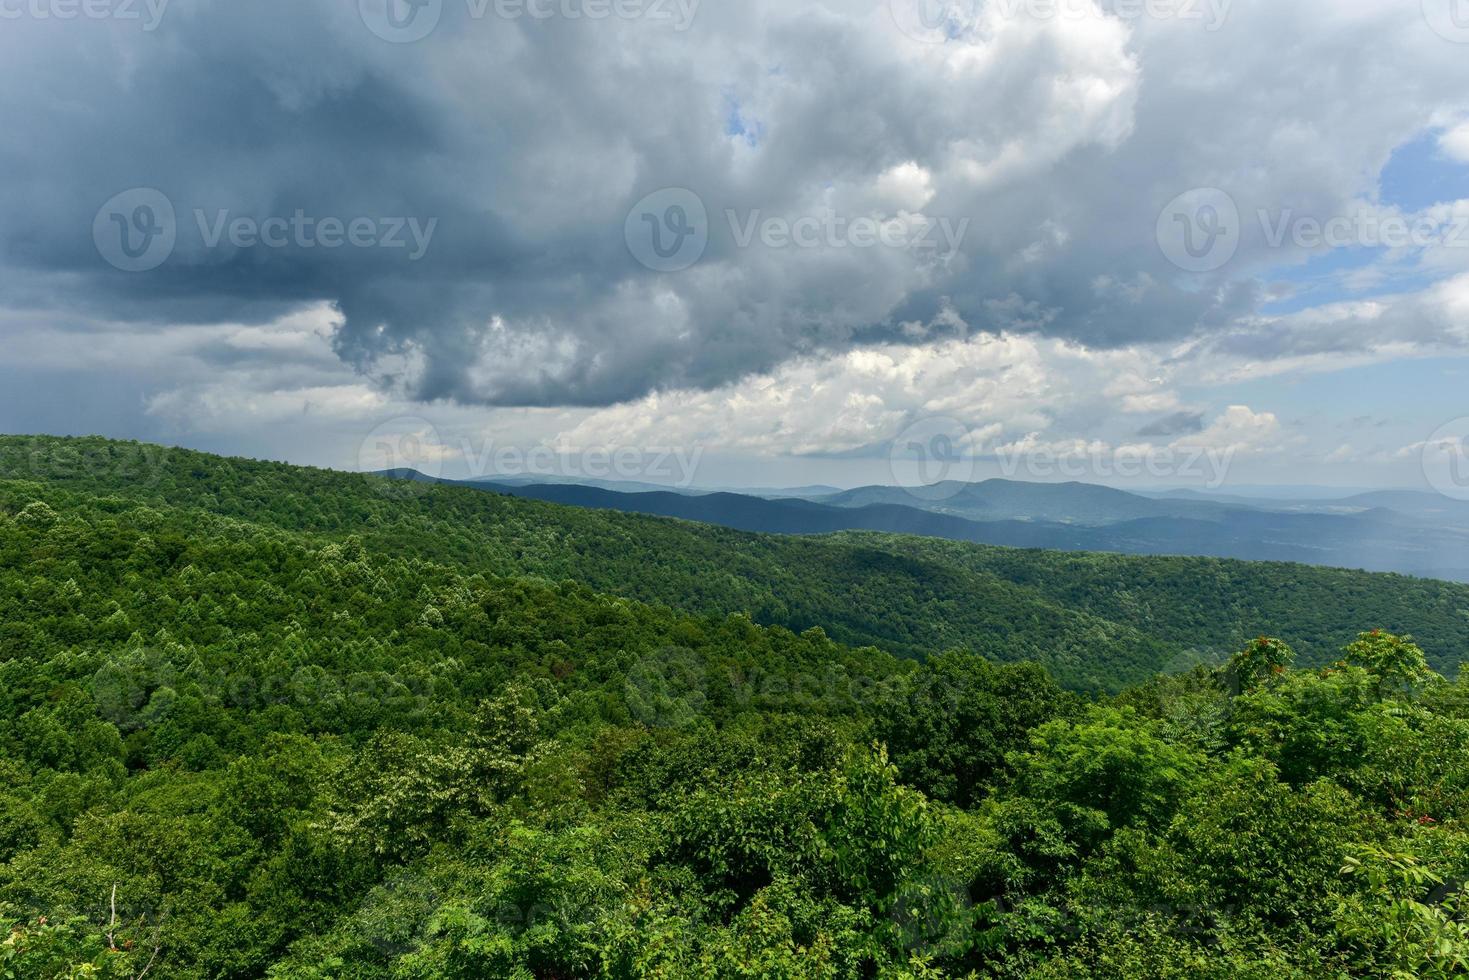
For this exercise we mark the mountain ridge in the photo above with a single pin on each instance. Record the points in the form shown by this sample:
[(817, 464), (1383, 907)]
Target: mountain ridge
[(910, 596)]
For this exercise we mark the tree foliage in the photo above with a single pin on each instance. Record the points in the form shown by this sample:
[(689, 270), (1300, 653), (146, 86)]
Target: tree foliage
[(237, 742)]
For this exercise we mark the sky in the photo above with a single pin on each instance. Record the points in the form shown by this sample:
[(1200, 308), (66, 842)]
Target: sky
[(1205, 243)]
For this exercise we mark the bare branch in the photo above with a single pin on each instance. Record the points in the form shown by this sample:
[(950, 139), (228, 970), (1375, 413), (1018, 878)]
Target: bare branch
[(112, 923), (144, 972)]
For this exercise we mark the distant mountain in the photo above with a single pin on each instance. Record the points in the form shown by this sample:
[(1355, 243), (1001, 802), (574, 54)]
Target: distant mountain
[(1290, 492), (1013, 500), (1377, 540), (811, 492), (1403, 531), (1232, 499), (1415, 503), (619, 486), (747, 513)]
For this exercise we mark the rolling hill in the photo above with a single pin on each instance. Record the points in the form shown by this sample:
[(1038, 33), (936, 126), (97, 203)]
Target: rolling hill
[(1127, 619)]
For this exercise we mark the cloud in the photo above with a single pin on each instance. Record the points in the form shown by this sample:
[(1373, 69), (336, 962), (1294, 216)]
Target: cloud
[(1058, 140), (1239, 429), (1179, 423), (1004, 386), (1455, 142)]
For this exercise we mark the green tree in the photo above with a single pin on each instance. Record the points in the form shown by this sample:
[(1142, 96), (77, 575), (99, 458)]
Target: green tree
[(1259, 661)]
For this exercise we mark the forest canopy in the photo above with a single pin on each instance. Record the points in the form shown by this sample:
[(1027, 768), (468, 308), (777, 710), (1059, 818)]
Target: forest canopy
[(261, 721)]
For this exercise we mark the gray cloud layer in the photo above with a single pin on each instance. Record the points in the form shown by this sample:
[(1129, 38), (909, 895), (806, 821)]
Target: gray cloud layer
[(1058, 140)]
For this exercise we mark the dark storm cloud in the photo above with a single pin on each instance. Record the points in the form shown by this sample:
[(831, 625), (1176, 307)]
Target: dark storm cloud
[(524, 143)]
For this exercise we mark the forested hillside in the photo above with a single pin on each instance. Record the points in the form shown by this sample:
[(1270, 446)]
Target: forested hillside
[(276, 731), (1183, 599), (908, 596)]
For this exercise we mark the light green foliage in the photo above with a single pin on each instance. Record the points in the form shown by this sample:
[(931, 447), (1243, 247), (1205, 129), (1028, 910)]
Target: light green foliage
[(72, 950), (1395, 660), (1408, 918), (1258, 662), (1104, 772), (264, 722)]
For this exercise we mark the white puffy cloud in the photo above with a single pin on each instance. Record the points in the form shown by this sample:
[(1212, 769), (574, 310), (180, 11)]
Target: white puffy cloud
[(1008, 386), (1455, 142), (1238, 429)]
